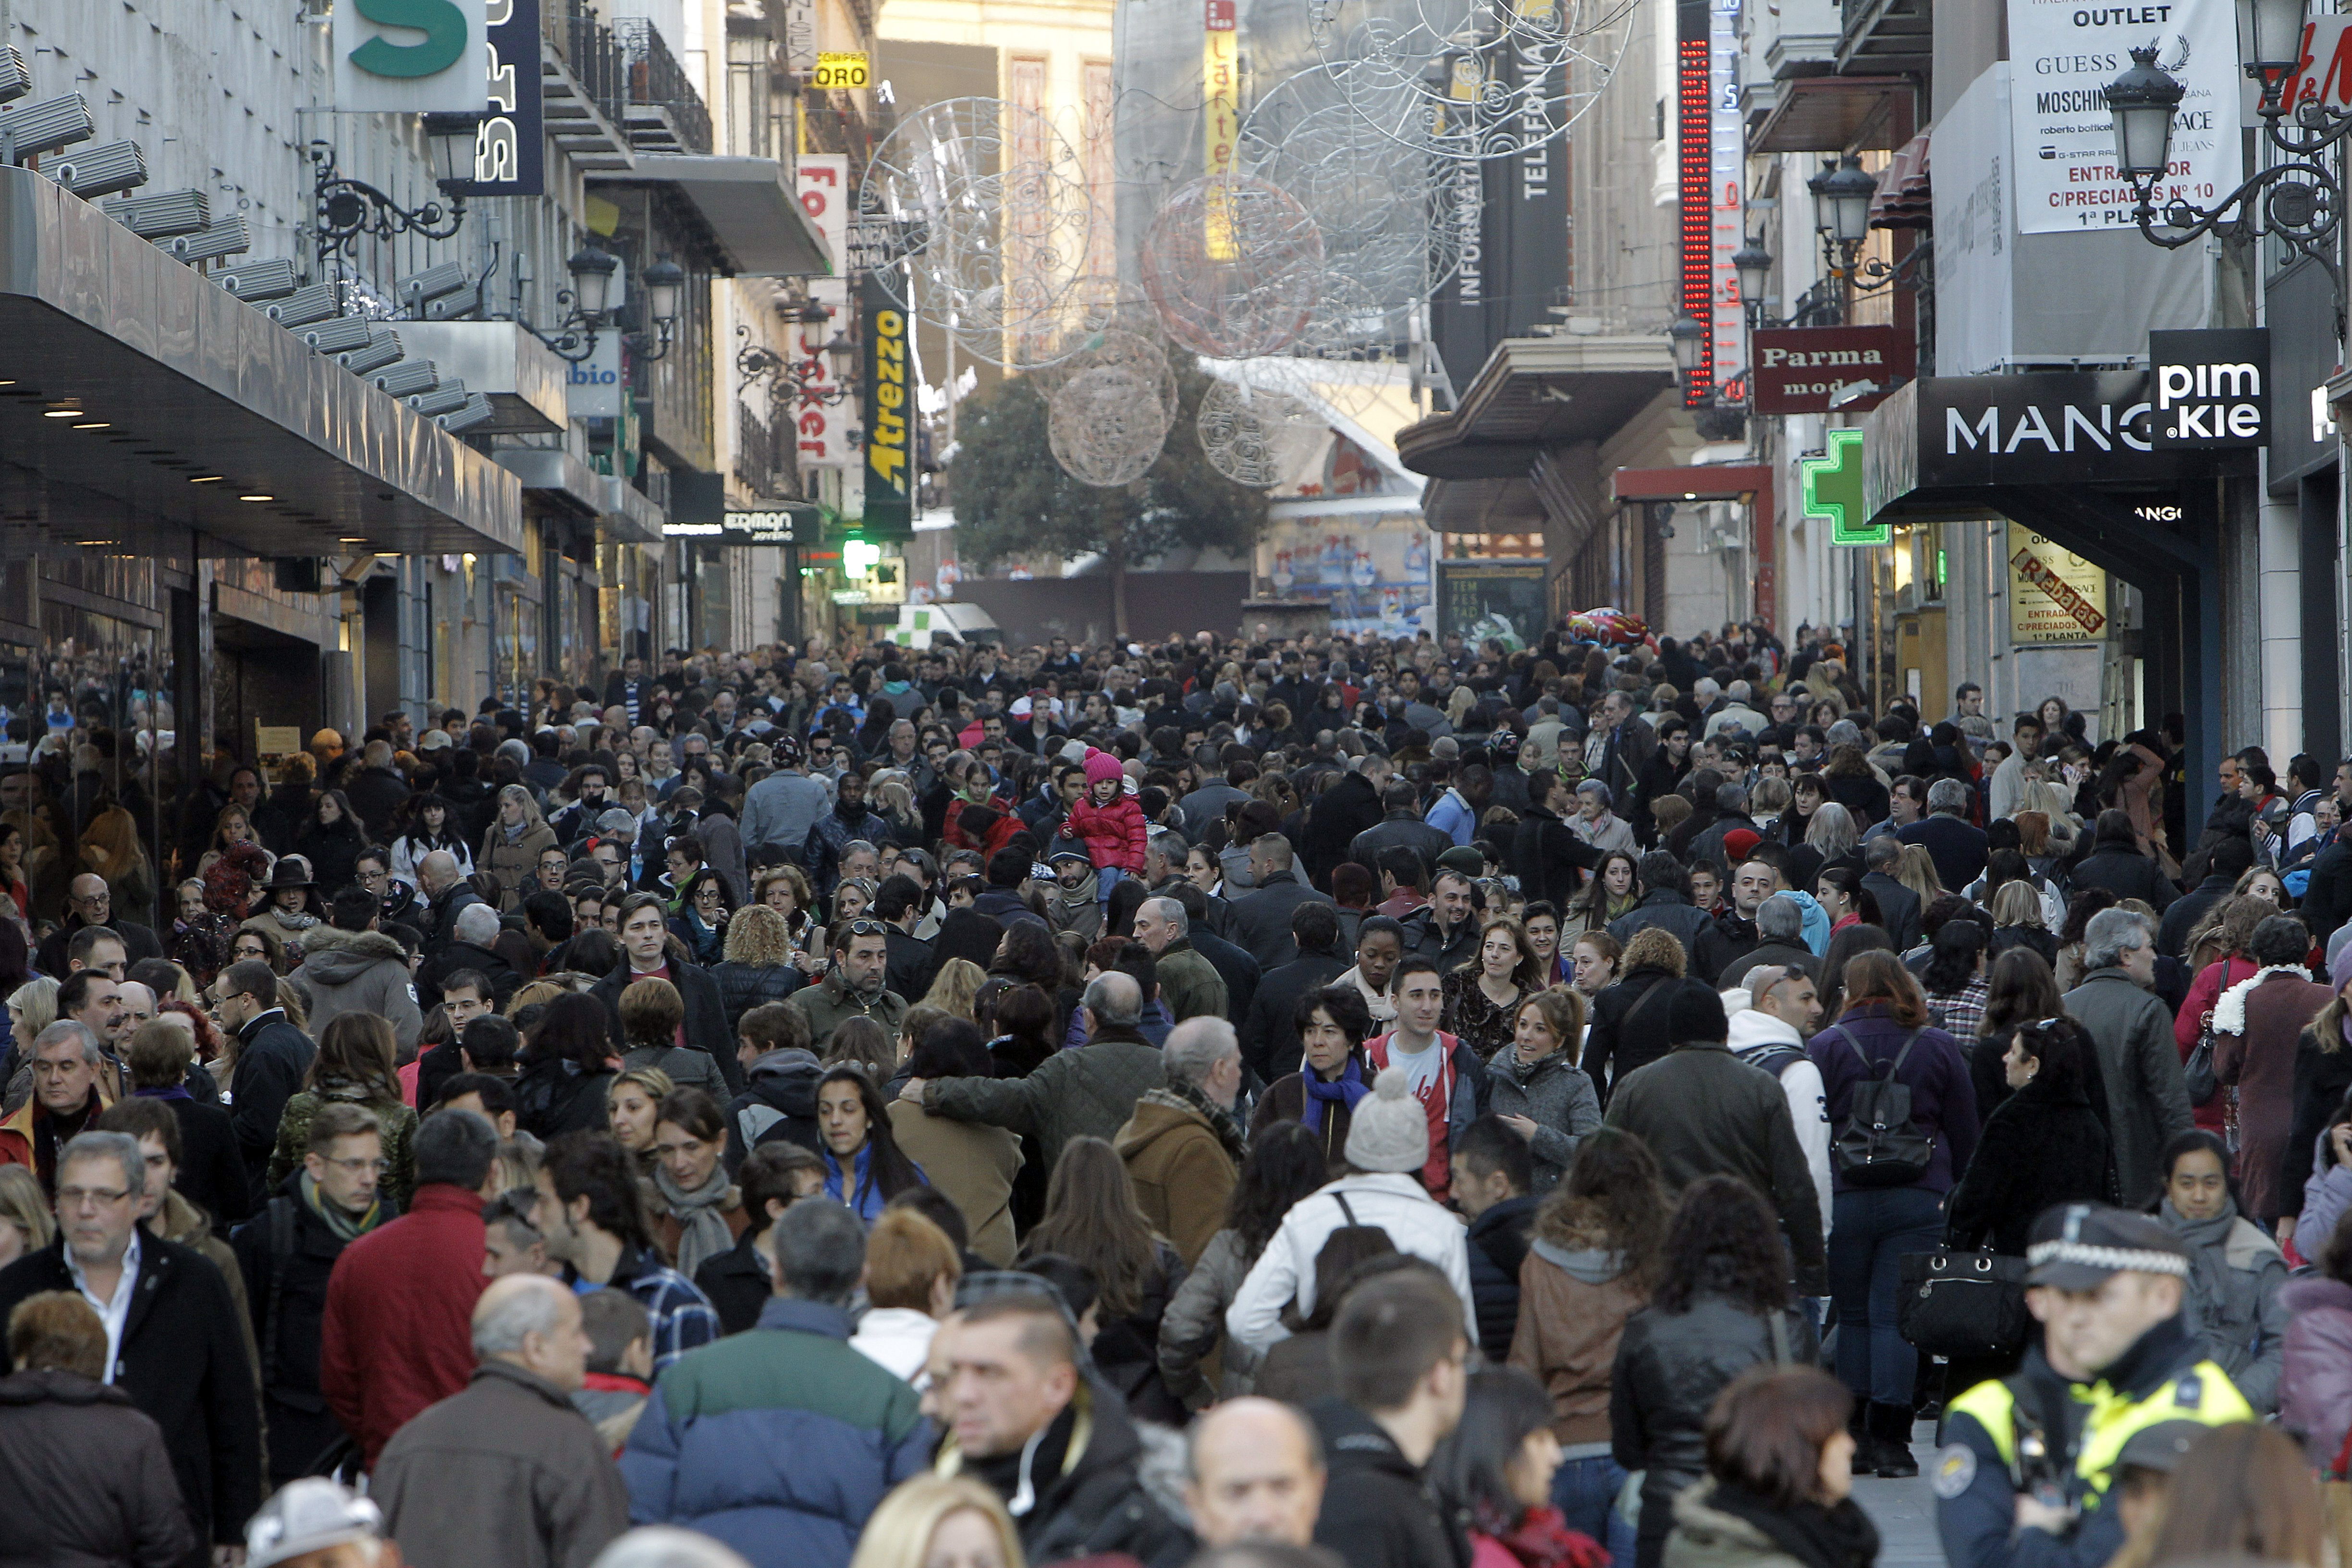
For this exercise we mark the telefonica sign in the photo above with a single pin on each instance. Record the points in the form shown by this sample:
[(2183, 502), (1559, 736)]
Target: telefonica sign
[(412, 56)]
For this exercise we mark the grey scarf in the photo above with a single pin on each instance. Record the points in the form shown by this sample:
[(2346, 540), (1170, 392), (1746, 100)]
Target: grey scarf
[(702, 1222), (2209, 1269)]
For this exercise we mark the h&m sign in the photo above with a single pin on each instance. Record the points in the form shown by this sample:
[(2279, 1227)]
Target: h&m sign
[(2212, 389)]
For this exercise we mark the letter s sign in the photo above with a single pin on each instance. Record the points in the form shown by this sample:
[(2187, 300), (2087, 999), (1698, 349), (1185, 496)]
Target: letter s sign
[(411, 56)]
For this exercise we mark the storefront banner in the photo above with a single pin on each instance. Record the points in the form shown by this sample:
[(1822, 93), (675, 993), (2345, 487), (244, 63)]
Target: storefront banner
[(2055, 596), (1798, 369), (2062, 54), (510, 148), (1506, 600), (411, 56)]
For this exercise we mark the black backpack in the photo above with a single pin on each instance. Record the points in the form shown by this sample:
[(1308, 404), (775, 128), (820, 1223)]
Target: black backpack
[(1877, 1145)]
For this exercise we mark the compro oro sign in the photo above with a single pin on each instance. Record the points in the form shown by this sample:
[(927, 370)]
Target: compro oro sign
[(2062, 54), (412, 56), (2213, 389), (2055, 596)]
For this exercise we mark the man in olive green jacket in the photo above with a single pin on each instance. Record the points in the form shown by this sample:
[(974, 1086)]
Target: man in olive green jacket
[(1188, 983)]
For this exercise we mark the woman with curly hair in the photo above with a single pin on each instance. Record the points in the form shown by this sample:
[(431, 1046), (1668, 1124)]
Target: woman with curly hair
[(758, 963), (1284, 1165), (1483, 995), (1722, 1305), (1596, 1251), (956, 988)]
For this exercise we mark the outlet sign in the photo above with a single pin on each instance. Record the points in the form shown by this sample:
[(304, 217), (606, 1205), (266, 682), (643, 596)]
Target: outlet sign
[(412, 56), (2212, 389)]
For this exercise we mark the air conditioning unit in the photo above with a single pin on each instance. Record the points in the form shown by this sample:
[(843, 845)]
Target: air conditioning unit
[(47, 126), (447, 399), (105, 171), (383, 348), (228, 239), (259, 281), (408, 377), (476, 411), (15, 81), (161, 216), (339, 335), (319, 302), (413, 290)]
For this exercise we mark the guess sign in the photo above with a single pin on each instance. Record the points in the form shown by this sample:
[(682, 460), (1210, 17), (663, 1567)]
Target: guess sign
[(1801, 370)]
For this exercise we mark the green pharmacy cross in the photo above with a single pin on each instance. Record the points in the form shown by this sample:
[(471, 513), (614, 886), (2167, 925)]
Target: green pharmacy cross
[(1834, 492)]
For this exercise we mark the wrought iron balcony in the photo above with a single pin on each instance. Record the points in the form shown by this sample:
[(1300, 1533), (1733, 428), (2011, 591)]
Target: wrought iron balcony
[(666, 114), (586, 86)]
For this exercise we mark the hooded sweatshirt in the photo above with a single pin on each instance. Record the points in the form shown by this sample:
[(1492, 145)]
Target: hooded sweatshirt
[(1754, 1038), (357, 972), (779, 1100)]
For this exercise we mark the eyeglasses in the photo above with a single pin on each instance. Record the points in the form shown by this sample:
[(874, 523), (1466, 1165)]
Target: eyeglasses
[(90, 1197)]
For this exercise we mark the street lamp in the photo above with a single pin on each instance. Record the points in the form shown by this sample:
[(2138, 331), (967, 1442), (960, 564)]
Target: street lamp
[(2269, 40), (1753, 264), (450, 139), (841, 359), (1844, 194), (1688, 338), (2140, 102), (592, 282)]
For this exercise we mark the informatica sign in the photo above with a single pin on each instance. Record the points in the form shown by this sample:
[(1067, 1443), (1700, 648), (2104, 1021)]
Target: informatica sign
[(412, 56), (1806, 370), (2062, 54)]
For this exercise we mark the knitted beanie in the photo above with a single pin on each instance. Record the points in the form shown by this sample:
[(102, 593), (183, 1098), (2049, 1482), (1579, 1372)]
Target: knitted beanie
[(1101, 766), (1389, 1129)]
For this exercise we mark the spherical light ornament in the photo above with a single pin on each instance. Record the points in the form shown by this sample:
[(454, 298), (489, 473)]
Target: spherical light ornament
[(1233, 265), (1106, 426), (1256, 436)]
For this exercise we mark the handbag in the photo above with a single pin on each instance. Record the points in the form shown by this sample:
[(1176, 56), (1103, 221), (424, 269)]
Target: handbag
[(2198, 1070), (1962, 1305)]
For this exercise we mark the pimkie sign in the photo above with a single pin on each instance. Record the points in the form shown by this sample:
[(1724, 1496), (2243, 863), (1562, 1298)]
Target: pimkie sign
[(1798, 369)]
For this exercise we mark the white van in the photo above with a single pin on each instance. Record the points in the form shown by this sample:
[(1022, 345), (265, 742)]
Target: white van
[(917, 624)]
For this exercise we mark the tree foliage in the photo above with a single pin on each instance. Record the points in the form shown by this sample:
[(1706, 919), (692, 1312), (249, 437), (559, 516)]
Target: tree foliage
[(1013, 498)]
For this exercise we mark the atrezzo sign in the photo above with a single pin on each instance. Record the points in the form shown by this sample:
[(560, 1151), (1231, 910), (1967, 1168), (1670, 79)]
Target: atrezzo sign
[(2213, 389)]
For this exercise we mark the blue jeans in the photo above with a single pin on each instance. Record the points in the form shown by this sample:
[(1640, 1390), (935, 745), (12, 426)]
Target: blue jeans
[(1105, 878), (1872, 1232), (1586, 1490)]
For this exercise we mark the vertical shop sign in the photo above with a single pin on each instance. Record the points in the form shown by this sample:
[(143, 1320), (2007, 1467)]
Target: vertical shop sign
[(1694, 139), (888, 406), (510, 149)]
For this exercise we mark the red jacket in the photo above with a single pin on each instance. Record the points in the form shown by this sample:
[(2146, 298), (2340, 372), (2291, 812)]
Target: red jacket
[(1114, 834), (399, 1310)]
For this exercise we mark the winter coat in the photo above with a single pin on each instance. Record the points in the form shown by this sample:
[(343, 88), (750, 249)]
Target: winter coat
[(973, 1164), (300, 1427), (2316, 1381), (85, 1480), (1555, 1094), (503, 1474), (2147, 1098), (1097, 1505), (1670, 1366), (398, 1334), (395, 1121), (2321, 1080), (1269, 1032), (705, 1015), (1862, 1046), (357, 972), (1705, 1113), (828, 1003), (1091, 1091), (1378, 1509), (1284, 1271), (210, 1174), (779, 1100), (334, 853), (553, 1097), (1763, 1040), (182, 1362), (1189, 983), (2038, 1148), (1628, 1027), (1183, 1175), (2126, 873), (2260, 1059), (1194, 1324), (514, 863), (2234, 1276), (1261, 921), (830, 836), (1670, 911), (272, 1058), (1348, 806), (2326, 1193), (1707, 1536), (1462, 1080), (1498, 1246), (1285, 1100), (1551, 857), (737, 1283), (1113, 834), (743, 986), (2189, 1025), (1574, 1301)]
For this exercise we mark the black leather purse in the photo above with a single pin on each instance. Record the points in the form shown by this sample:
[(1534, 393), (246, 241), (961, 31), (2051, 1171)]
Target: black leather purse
[(1960, 1305)]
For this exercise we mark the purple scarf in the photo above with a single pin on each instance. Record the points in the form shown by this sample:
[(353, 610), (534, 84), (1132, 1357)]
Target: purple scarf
[(1347, 1088), (177, 1091)]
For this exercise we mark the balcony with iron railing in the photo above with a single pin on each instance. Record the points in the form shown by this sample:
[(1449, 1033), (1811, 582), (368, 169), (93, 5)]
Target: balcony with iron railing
[(586, 90), (755, 452), (665, 112)]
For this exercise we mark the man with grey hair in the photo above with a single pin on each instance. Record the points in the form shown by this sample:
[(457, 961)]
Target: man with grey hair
[(377, 791), (703, 1454), (72, 1084), (1188, 983), (2131, 1028), (1957, 845), (173, 1343), (446, 893), (469, 948), (1164, 858), (1779, 938), (1089, 1091), (1730, 817), (1182, 1147), (506, 1470)]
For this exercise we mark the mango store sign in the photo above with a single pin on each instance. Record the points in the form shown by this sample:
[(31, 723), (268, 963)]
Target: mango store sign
[(412, 56)]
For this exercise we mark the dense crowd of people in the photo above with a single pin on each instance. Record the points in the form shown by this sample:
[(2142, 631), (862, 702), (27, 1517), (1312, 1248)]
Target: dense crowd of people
[(1256, 1103)]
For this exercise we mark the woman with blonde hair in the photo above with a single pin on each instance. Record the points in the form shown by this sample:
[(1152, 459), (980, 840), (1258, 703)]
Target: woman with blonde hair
[(2017, 922), (32, 1007), (953, 989), (25, 1223), (632, 1105), (355, 1064), (512, 843), (110, 849), (1916, 871), (757, 965), (939, 1521)]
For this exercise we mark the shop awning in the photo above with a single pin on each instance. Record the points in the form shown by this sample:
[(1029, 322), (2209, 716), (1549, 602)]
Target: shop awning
[(195, 412), (1532, 395), (564, 483), (748, 203), (1904, 198), (1835, 114)]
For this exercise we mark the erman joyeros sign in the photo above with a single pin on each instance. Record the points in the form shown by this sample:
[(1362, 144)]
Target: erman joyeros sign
[(1798, 369), (2211, 389)]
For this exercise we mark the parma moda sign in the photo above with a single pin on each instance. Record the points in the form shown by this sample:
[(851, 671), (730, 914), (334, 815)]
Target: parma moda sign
[(1802, 370)]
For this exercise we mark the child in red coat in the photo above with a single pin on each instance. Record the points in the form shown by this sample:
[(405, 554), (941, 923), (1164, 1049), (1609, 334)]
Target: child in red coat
[(1110, 824)]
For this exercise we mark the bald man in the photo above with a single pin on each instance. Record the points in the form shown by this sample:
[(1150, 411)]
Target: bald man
[(90, 902), (1253, 1472)]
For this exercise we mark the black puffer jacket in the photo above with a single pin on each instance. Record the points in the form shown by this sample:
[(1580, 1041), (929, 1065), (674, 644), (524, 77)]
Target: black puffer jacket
[(2041, 1147), (1670, 1366), (743, 986), (300, 1425), (84, 1480), (779, 1100), (1629, 1027), (1093, 1505)]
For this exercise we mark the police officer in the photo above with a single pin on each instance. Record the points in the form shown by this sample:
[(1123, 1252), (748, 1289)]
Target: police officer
[(2024, 1479)]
